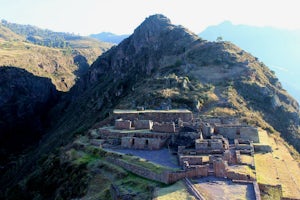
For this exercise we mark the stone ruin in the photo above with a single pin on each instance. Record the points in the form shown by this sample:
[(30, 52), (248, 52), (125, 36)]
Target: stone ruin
[(220, 145)]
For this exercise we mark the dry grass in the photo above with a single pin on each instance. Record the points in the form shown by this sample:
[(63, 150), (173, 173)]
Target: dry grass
[(222, 112), (278, 167), (242, 169), (173, 192), (246, 159)]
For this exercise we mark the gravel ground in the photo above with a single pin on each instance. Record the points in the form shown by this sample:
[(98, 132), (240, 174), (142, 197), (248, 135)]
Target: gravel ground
[(162, 156), (223, 189)]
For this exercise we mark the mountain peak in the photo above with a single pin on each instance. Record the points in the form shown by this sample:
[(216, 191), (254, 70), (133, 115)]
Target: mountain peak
[(158, 18), (153, 25)]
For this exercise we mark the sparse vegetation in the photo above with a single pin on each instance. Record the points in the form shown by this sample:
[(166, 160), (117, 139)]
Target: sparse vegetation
[(173, 192)]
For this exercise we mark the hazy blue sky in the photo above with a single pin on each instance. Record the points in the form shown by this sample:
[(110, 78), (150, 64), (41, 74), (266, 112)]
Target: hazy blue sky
[(122, 16)]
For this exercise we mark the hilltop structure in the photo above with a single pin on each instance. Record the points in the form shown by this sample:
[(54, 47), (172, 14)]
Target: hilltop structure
[(223, 147)]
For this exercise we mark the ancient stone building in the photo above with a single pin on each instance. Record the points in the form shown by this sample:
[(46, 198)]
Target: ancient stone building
[(155, 115), (217, 144), (122, 124), (164, 127), (143, 124), (142, 143), (220, 167), (237, 132)]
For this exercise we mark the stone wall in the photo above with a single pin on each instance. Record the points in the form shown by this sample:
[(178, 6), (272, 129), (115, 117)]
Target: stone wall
[(192, 160), (143, 124), (243, 145), (164, 127), (156, 116), (166, 177), (262, 148), (193, 171), (122, 124), (105, 133), (209, 145), (249, 133), (207, 129), (142, 143), (141, 171), (238, 132), (220, 167), (233, 175)]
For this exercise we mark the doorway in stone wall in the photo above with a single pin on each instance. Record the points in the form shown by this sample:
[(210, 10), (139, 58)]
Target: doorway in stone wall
[(146, 144)]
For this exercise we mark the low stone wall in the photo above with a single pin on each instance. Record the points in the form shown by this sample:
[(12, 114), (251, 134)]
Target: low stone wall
[(166, 177), (192, 160), (141, 171), (238, 176), (164, 127), (265, 187), (262, 148), (193, 171), (123, 124)]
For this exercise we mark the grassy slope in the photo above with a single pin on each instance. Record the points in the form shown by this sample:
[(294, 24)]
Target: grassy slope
[(278, 167), (55, 63)]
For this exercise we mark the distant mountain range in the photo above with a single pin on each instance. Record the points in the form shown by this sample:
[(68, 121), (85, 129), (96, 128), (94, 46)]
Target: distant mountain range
[(109, 37), (277, 48)]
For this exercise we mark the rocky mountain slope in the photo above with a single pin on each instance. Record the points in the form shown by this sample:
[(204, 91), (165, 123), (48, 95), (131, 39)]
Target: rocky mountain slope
[(34, 65), (278, 48), (162, 65), (62, 57), (24, 102)]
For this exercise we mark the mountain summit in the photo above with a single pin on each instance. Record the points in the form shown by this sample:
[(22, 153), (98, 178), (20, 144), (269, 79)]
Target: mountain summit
[(155, 38)]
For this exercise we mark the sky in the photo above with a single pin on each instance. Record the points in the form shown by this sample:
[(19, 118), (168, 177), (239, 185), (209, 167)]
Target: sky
[(85, 17)]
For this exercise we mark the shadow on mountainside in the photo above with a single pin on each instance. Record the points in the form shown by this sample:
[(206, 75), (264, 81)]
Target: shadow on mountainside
[(25, 100)]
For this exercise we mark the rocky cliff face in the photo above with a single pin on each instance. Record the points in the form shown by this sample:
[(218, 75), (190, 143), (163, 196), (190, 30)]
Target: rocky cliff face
[(155, 40), (24, 102)]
